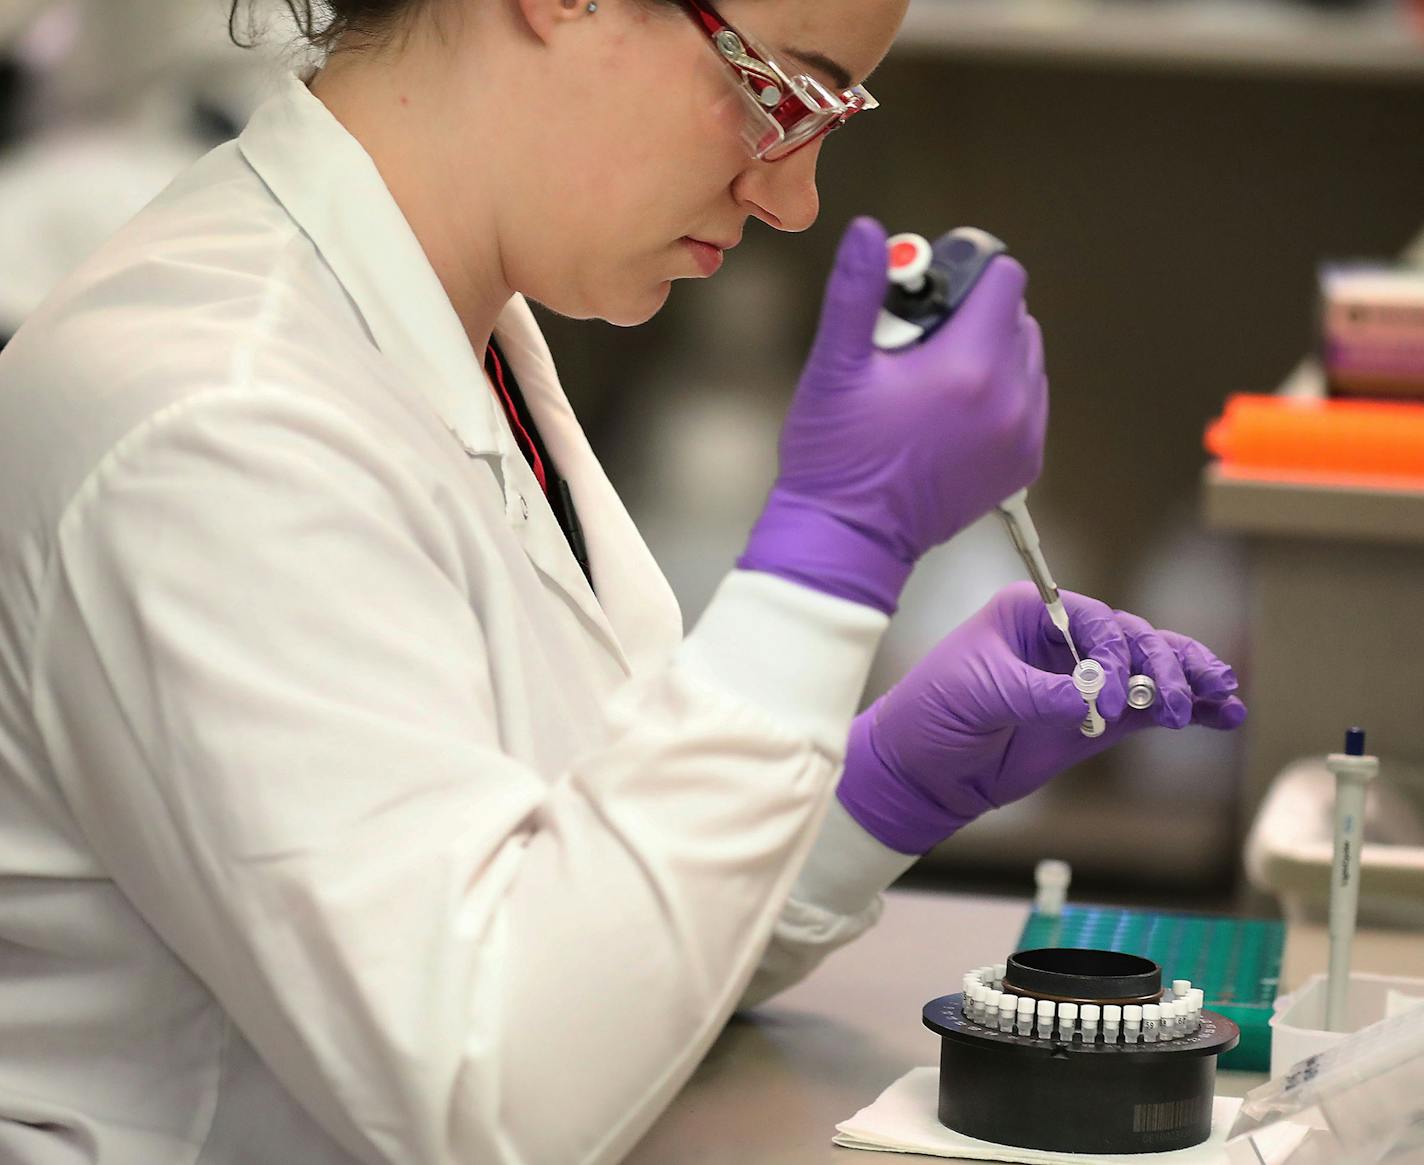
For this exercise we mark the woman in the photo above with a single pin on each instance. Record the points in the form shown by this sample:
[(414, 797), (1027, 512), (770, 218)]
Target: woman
[(363, 798)]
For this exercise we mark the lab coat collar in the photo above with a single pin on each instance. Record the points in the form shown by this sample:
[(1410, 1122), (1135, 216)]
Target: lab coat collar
[(330, 186), (327, 182)]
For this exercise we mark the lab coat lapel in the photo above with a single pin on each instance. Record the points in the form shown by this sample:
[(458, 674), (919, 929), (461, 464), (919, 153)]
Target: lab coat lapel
[(333, 191), (632, 589), (534, 522), (329, 185)]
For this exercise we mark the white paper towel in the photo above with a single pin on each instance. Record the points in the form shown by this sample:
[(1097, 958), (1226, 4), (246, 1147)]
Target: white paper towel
[(903, 1120)]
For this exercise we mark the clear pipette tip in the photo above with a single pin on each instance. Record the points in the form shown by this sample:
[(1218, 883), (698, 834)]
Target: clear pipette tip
[(1059, 614)]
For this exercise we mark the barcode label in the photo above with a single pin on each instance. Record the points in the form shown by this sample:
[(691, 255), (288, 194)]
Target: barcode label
[(1168, 1115)]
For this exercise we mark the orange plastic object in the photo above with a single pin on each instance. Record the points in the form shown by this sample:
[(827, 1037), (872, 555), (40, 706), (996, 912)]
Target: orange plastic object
[(1378, 442)]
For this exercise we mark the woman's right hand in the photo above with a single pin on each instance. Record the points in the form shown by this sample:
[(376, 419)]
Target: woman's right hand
[(885, 455)]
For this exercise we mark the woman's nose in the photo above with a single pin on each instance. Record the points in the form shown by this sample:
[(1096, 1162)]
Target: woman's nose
[(783, 194)]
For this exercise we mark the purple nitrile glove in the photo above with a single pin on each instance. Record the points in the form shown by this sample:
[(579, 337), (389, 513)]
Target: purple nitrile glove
[(885, 455), (991, 713)]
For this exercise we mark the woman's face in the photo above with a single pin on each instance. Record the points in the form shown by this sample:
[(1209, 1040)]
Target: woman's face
[(635, 150)]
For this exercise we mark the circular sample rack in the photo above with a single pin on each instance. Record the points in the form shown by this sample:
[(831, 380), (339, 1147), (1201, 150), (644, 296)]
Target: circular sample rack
[(1078, 1051)]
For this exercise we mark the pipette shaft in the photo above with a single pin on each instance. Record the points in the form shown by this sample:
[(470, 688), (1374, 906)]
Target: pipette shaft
[(1023, 533), (1353, 771)]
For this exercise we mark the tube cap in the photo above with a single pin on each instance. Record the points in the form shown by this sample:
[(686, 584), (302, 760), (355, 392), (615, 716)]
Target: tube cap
[(1089, 677), (1141, 691)]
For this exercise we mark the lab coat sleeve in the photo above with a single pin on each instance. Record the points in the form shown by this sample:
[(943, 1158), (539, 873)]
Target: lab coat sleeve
[(268, 705), (836, 898)]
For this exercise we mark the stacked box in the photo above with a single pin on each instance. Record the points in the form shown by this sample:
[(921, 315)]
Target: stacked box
[(1372, 330)]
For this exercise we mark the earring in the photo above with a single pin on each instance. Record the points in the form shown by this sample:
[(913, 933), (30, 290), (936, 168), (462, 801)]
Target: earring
[(592, 6)]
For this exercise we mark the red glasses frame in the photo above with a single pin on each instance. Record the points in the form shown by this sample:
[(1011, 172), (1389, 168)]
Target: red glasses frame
[(787, 111)]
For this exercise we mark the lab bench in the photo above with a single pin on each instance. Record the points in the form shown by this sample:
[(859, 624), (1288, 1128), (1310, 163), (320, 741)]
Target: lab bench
[(777, 1081)]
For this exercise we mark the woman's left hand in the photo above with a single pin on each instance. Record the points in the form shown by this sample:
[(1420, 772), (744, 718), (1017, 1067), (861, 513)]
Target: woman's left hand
[(991, 713)]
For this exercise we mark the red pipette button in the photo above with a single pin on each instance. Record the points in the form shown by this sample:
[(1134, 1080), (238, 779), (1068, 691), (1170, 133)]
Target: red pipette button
[(909, 257)]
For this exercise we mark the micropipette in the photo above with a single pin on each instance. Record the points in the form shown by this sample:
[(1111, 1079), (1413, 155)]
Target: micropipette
[(1024, 535), (927, 285), (1353, 771)]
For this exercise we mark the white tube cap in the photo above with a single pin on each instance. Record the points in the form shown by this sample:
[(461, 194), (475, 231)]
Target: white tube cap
[(1180, 987), (1089, 677)]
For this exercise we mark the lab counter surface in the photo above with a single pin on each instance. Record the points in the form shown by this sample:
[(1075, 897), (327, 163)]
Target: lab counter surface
[(778, 1081)]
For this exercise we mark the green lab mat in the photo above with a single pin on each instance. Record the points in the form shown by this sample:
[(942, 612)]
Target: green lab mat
[(1235, 961)]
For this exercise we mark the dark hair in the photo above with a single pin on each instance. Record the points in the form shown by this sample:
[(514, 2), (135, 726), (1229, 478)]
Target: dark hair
[(322, 23)]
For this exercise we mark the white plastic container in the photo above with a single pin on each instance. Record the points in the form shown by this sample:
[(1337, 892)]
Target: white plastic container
[(1297, 1027), (1292, 841)]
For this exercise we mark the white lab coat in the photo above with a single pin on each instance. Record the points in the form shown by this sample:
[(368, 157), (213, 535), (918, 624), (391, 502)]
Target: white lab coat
[(339, 820)]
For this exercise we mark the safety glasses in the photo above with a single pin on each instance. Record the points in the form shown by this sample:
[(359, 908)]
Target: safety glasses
[(781, 112)]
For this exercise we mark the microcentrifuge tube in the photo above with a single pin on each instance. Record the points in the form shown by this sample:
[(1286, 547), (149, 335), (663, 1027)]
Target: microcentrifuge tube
[(1196, 1000), (991, 1008), (1151, 1022), (1168, 1030), (1067, 1021), (981, 995), (1051, 879), (1180, 987), (1092, 1012), (1008, 1008), (1090, 678), (1132, 1022), (1045, 1019), (1112, 1021), (1025, 1017), (1000, 970)]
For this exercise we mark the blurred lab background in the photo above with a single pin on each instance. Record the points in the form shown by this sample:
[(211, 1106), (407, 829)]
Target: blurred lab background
[(1170, 172)]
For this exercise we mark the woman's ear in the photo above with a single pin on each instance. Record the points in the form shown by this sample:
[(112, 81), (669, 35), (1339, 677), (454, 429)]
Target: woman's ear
[(543, 16)]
